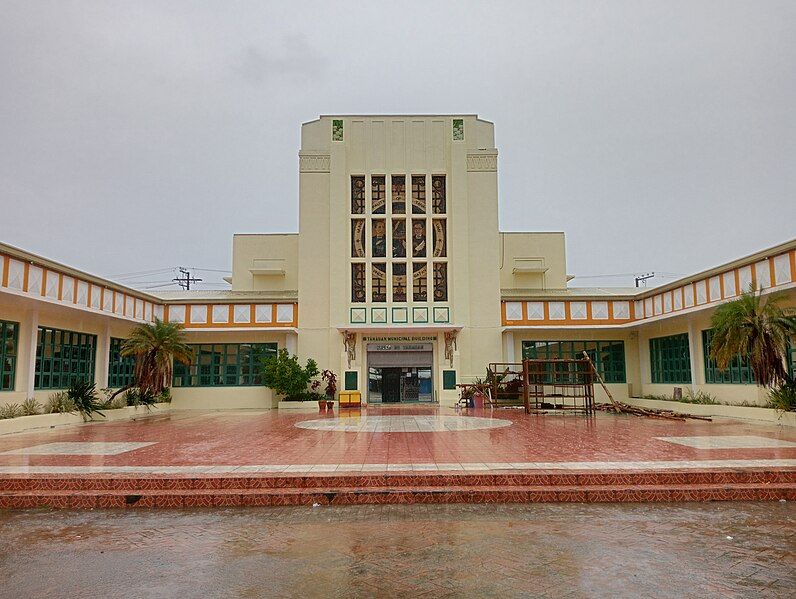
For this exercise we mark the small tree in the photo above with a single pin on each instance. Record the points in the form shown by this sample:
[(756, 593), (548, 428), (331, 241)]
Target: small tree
[(155, 347), (286, 376), (758, 329)]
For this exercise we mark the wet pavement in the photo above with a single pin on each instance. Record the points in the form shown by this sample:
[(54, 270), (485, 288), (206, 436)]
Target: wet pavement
[(548, 550)]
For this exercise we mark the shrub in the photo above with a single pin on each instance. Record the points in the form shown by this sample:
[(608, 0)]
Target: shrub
[(59, 403), (700, 397), (783, 398), (84, 397), (10, 410), (165, 396), (286, 376), (31, 407), (140, 397)]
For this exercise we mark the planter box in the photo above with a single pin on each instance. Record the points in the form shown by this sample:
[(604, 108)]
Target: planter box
[(762, 415), (39, 421)]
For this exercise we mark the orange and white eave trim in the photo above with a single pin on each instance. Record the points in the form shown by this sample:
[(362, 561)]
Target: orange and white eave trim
[(769, 273), (29, 279)]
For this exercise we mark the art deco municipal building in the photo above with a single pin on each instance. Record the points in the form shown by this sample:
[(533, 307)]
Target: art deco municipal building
[(398, 279)]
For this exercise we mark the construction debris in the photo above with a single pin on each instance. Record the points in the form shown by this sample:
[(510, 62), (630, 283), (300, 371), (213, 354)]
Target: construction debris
[(618, 407)]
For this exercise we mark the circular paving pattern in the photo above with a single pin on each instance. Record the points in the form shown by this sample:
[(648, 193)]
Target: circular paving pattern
[(403, 424)]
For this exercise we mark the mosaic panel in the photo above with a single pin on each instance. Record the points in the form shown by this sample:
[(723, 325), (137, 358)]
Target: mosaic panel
[(418, 194), (599, 310), (220, 314), (378, 194), (782, 269), (439, 238), (763, 275), (262, 314), (337, 129), (420, 315), (440, 282), (420, 282), (358, 238), (378, 238), (357, 282), (458, 129), (577, 310), (199, 314), (419, 238), (399, 282), (358, 195), (398, 194), (535, 310), (745, 278), (399, 238), (284, 313), (379, 282), (438, 194)]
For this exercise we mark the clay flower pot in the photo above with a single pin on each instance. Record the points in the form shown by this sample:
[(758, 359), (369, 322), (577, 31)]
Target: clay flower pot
[(329, 404), (321, 405)]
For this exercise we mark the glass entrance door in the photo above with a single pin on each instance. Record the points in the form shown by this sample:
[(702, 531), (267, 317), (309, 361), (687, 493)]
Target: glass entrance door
[(400, 384)]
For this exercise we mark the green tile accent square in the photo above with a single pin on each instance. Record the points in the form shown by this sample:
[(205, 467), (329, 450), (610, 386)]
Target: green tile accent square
[(351, 380), (400, 315), (448, 379), (458, 129), (358, 315), (337, 130), (378, 315), (419, 315), (442, 315)]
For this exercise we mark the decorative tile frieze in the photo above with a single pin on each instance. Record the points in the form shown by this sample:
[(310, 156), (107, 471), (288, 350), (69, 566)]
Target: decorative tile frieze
[(482, 162), (314, 163)]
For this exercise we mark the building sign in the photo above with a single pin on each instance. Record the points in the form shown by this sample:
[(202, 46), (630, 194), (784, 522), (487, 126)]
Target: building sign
[(401, 347), (398, 339)]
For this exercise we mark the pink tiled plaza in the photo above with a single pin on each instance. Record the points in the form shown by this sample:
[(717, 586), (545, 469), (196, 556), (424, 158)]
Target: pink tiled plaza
[(393, 455)]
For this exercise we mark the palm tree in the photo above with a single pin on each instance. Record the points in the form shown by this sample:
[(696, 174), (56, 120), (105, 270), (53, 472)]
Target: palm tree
[(155, 347), (757, 328)]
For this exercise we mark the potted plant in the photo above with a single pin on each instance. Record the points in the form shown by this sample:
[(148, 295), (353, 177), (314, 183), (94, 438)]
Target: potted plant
[(314, 393), (331, 387)]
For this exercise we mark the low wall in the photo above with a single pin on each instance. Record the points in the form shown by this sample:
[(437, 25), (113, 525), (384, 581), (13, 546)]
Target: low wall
[(763, 415), (45, 421), (730, 394), (223, 398)]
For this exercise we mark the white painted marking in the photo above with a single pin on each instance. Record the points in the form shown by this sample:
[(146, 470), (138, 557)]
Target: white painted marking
[(403, 424), (78, 448), (728, 442)]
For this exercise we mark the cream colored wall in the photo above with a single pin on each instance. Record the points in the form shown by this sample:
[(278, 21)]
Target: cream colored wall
[(222, 398), (264, 251), (548, 248), (388, 145)]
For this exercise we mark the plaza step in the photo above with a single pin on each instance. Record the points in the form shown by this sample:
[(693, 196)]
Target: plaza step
[(92, 491), (317, 496)]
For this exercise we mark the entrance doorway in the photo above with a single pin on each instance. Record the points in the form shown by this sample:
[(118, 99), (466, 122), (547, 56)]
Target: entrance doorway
[(400, 384)]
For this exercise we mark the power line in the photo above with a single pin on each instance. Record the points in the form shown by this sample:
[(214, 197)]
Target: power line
[(186, 279)]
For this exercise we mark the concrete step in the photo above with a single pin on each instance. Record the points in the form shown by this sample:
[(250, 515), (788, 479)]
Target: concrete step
[(420, 479), (134, 497)]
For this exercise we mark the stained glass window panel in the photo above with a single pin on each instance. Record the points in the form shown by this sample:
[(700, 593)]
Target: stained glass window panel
[(418, 194), (399, 282), (398, 194), (357, 282), (358, 238), (440, 241), (358, 195), (440, 282), (378, 197), (419, 238), (438, 199), (419, 282), (379, 238), (379, 282), (399, 238)]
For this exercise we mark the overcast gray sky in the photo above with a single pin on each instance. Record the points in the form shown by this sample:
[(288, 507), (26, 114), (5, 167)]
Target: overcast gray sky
[(137, 136)]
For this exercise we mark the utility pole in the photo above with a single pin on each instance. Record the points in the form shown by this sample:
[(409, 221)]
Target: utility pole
[(643, 278), (185, 279)]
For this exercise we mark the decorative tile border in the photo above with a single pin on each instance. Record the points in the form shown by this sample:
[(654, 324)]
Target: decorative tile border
[(770, 273)]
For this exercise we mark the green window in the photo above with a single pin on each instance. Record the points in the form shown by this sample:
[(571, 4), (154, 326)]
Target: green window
[(63, 357), (223, 365), (121, 369), (791, 359), (608, 356), (9, 339), (670, 359), (737, 373), (448, 379), (351, 382)]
